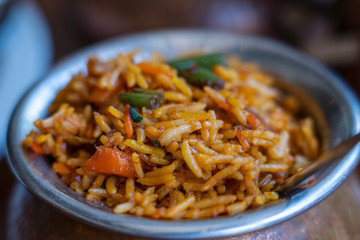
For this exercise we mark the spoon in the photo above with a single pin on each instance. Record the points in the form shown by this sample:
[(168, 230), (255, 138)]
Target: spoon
[(323, 160)]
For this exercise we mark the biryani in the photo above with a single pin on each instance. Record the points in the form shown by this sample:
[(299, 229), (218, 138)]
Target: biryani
[(196, 137)]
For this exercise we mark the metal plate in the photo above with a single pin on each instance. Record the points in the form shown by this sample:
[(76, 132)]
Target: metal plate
[(337, 103)]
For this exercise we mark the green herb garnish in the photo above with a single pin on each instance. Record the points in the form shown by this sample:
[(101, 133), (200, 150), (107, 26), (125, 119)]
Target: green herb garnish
[(134, 115), (156, 143)]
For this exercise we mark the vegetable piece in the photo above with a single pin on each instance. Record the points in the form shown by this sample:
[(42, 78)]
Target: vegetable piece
[(224, 105), (243, 141), (152, 69), (156, 143), (201, 77), (142, 98), (182, 65), (111, 161), (197, 70), (61, 168), (204, 61), (134, 115), (251, 119), (256, 115), (128, 122), (147, 91), (38, 148)]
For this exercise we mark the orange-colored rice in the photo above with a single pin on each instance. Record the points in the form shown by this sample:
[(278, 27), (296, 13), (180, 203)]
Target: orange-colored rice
[(221, 151)]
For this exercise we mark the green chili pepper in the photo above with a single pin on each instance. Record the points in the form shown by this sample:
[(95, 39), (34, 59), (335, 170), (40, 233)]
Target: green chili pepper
[(142, 98), (202, 77), (204, 61)]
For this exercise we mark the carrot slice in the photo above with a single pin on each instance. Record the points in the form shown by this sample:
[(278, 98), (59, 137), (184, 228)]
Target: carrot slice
[(251, 119), (243, 141), (128, 122), (38, 148), (151, 69), (111, 161), (224, 105), (61, 168)]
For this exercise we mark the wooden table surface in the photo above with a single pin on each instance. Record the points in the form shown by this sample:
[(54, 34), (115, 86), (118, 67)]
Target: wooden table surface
[(25, 217)]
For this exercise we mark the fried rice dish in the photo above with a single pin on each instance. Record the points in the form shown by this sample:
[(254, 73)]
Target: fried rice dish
[(196, 137)]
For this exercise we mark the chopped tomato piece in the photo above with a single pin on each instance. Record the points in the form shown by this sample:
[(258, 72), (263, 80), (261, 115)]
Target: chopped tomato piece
[(224, 105), (38, 148), (251, 119), (111, 161)]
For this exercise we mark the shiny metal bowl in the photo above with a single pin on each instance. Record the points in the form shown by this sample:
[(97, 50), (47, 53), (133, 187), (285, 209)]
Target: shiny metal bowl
[(327, 97)]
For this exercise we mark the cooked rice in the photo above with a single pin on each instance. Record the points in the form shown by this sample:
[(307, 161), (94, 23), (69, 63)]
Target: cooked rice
[(202, 153)]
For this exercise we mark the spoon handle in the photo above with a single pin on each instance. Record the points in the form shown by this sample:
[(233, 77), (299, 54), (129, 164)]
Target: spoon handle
[(324, 160)]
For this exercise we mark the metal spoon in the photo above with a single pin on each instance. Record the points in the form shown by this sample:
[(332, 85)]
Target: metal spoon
[(323, 160)]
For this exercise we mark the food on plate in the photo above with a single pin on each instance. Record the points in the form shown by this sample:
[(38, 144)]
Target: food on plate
[(191, 138)]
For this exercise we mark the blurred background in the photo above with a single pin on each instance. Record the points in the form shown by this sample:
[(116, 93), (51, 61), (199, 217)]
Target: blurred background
[(35, 34), (326, 29)]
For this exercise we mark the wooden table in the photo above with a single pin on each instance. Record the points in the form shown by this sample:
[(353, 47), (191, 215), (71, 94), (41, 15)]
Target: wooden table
[(25, 217)]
